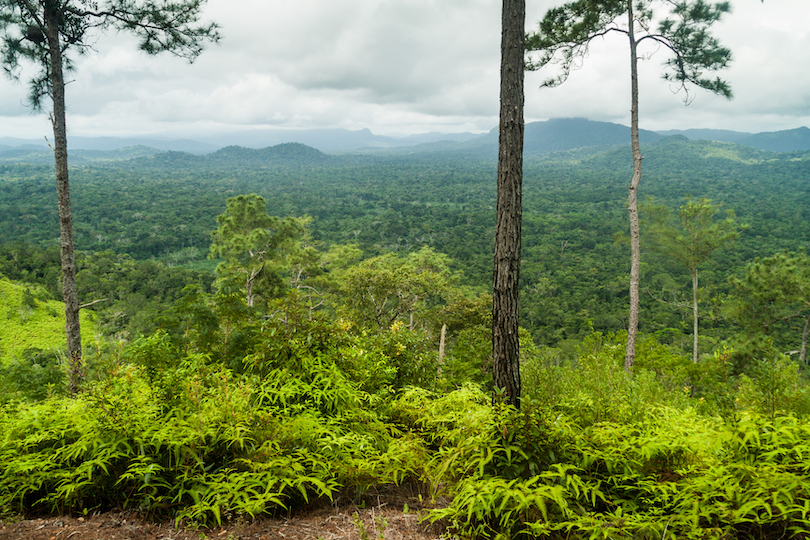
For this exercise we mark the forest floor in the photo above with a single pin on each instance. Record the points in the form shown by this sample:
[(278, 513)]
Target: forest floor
[(383, 521)]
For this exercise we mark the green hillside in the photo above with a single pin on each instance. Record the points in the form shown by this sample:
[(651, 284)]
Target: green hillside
[(31, 320)]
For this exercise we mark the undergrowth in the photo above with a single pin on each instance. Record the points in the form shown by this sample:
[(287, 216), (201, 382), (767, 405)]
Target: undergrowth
[(173, 434), (317, 416), (630, 460)]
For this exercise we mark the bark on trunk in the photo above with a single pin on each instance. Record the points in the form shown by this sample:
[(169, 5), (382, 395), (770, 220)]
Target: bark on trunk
[(694, 316), (803, 352), (505, 345), (632, 202), (70, 293)]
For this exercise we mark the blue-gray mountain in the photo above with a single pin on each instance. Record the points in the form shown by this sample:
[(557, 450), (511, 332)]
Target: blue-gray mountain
[(541, 138)]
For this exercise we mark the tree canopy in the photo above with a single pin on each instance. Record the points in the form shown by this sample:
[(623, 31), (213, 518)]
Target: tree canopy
[(774, 292), (681, 27)]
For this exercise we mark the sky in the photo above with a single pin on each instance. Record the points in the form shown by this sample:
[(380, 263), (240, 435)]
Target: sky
[(401, 67)]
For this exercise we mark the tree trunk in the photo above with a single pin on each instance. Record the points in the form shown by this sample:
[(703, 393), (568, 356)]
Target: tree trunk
[(694, 316), (70, 293), (505, 320), (803, 352), (632, 201), (251, 277), (441, 349)]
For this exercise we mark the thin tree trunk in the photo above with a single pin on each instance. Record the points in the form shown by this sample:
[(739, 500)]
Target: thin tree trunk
[(249, 288), (803, 353), (632, 202), (505, 314), (441, 348), (694, 316), (70, 293)]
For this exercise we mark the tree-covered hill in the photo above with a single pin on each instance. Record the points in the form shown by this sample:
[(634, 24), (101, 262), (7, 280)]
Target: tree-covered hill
[(164, 206), (286, 154), (561, 134), (794, 140), (788, 140)]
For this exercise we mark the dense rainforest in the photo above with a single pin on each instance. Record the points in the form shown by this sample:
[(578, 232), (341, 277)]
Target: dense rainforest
[(271, 327), (162, 207)]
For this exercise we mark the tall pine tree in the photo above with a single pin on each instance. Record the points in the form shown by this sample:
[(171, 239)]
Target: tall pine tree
[(680, 27), (505, 346), (47, 33)]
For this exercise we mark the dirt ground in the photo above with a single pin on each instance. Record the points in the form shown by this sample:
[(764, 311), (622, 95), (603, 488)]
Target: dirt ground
[(381, 522)]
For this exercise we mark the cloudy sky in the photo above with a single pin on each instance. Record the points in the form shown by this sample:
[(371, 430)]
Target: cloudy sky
[(400, 67)]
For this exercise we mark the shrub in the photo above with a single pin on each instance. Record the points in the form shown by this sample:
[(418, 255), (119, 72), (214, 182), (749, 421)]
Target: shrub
[(595, 388), (775, 387), (34, 376)]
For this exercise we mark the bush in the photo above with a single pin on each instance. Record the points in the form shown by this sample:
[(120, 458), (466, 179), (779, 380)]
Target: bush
[(595, 388), (775, 388), (35, 376)]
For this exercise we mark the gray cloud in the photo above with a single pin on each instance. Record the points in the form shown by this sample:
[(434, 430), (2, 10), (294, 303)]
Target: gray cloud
[(405, 66)]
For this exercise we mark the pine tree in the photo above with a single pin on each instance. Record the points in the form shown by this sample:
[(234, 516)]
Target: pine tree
[(680, 27), (692, 241), (505, 321), (47, 33)]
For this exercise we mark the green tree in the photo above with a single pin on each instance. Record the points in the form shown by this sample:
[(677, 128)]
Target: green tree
[(382, 290), (774, 291), (315, 274), (46, 33), (467, 319), (691, 241), (509, 206), (678, 26), (254, 244)]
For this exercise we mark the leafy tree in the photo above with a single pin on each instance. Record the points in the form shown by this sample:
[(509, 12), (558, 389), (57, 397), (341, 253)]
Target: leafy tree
[(692, 241), (505, 292), (127, 293), (314, 273), (775, 290), (45, 33), (381, 290), (249, 240), (680, 27)]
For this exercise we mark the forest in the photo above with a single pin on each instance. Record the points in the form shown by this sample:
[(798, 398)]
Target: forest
[(267, 330)]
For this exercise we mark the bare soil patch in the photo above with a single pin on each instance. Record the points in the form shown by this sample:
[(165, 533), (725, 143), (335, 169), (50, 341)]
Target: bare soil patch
[(382, 522)]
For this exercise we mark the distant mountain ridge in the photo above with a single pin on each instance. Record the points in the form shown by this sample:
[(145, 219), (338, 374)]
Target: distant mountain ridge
[(541, 138), (562, 134), (325, 140), (789, 140)]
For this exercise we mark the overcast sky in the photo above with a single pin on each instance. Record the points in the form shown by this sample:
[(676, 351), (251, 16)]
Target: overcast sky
[(400, 67)]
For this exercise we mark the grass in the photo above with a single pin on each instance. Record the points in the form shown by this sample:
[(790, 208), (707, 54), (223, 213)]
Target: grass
[(29, 319)]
